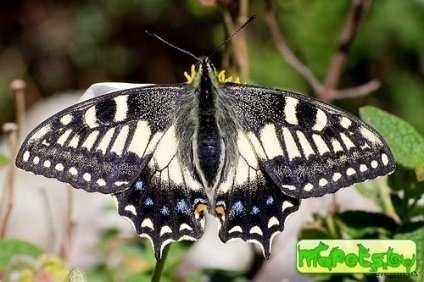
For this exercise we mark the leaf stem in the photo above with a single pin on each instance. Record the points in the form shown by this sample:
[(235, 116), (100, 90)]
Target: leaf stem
[(157, 272), (387, 202)]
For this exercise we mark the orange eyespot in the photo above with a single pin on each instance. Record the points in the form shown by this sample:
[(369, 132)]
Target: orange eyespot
[(200, 208), (220, 211)]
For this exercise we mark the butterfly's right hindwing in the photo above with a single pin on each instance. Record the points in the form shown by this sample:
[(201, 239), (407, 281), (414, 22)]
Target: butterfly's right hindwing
[(248, 204), (103, 144)]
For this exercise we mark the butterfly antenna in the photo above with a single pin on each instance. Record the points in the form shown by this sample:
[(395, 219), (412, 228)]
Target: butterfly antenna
[(234, 33), (169, 44)]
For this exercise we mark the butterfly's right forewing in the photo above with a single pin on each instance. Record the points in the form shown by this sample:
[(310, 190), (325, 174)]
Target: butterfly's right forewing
[(308, 148)]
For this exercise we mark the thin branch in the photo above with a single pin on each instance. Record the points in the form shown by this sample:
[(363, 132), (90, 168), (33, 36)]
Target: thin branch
[(357, 10), (239, 50), (18, 86), (384, 192), (354, 92), (327, 92), (285, 50), (10, 129), (13, 132), (69, 225), (52, 234)]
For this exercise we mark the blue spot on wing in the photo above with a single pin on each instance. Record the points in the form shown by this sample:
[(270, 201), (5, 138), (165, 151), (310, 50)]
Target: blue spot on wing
[(199, 200), (270, 200), (181, 205), (139, 185), (148, 202), (238, 207), (221, 203), (255, 210), (164, 210)]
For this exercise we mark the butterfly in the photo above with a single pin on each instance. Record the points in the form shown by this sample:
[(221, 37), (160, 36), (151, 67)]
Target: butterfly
[(169, 153)]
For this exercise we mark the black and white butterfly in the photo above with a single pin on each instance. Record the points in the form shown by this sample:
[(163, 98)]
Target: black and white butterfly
[(168, 153)]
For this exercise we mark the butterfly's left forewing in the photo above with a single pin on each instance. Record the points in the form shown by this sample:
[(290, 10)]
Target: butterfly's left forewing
[(307, 147), (102, 144)]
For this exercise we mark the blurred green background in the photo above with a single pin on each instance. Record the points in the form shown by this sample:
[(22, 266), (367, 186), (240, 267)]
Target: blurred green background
[(57, 46)]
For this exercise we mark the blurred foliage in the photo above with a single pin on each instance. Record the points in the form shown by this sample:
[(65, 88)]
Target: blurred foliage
[(24, 262), (56, 46), (133, 260), (3, 160), (76, 275)]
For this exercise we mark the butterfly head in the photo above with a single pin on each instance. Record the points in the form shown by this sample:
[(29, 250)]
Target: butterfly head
[(205, 69)]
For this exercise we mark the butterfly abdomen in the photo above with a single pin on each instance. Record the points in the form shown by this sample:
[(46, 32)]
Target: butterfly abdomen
[(209, 153), (208, 146)]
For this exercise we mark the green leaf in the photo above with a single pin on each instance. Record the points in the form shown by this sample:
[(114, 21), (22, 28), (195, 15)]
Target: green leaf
[(13, 247), (397, 204), (365, 220), (405, 180), (313, 233), (142, 277), (419, 159), (416, 211), (405, 142), (316, 229), (414, 231), (76, 275)]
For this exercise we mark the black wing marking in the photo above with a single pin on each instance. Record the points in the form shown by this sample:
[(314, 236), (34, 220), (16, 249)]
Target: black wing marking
[(166, 203), (307, 147), (102, 144), (248, 204)]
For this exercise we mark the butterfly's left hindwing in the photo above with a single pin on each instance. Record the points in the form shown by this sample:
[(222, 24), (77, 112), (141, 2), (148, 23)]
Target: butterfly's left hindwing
[(166, 203), (102, 144), (307, 147)]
